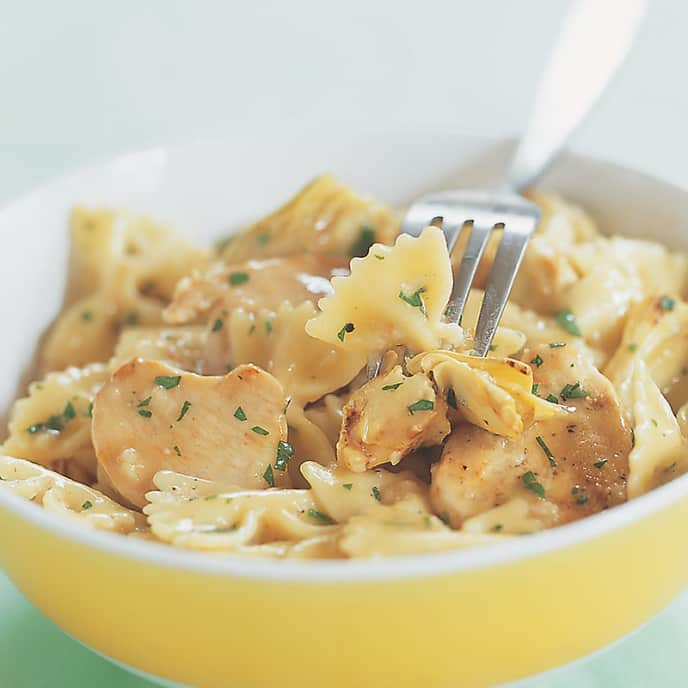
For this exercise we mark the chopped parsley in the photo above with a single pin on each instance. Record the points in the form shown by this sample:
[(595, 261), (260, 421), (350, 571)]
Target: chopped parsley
[(497, 527), (415, 300), (167, 381), (185, 407), (575, 489), (451, 398), (582, 499), (365, 240), (132, 318), (537, 361), (632, 347), (421, 405), (376, 493), (217, 325), (262, 238), (567, 321), (259, 431), (391, 388), (654, 422), (89, 411), (531, 483), (177, 450), (349, 327), (492, 347), (601, 463), (546, 449), (54, 424), (573, 392), (348, 486), (319, 516), (556, 345), (284, 453), (552, 399), (252, 329), (666, 303), (224, 529), (672, 468), (88, 504), (87, 316), (237, 278), (534, 389), (239, 413), (269, 476), (268, 327), (144, 403), (145, 413)]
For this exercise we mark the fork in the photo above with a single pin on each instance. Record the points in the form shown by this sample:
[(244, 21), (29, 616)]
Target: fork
[(594, 40)]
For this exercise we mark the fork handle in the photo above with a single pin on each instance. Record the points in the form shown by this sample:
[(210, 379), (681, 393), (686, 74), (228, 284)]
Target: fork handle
[(594, 40)]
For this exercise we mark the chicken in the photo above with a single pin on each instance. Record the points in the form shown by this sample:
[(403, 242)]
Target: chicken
[(150, 417), (389, 417), (254, 285), (577, 461)]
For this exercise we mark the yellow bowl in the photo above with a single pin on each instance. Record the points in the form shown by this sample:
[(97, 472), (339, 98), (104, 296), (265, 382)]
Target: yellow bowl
[(467, 618)]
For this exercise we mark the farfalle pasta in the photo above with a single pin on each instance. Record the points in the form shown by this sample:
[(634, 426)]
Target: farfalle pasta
[(296, 392)]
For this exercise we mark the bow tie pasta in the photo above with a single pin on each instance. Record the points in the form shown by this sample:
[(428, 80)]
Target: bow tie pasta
[(297, 393)]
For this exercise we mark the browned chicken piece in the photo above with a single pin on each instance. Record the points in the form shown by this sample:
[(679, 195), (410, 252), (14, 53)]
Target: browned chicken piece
[(387, 418), (150, 417), (325, 217), (254, 285), (578, 462)]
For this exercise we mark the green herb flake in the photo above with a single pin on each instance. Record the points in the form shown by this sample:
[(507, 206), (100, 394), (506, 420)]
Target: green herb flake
[(284, 453), (237, 278), (177, 450), (145, 413), (239, 413), (69, 411), (185, 407), (654, 422), (672, 468), (88, 504), (451, 398), (376, 493), (262, 238), (259, 431), (348, 486), (379, 257), (268, 327), (534, 389), (132, 318), (537, 361), (252, 329), (391, 388), (666, 303), (492, 347), (632, 347), (546, 449), (574, 391), (421, 405), (217, 325), (87, 316), (224, 529), (320, 517), (556, 345), (601, 463), (144, 403), (497, 528), (415, 300), (567, 320), (167, 381), (349, 327), (269, 476), (552, 399), (531, 483), (366, 239), (582, 499), (89, 411)]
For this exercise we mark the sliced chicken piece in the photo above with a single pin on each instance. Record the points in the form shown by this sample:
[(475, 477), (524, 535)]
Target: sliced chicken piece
[(389, 417), (150, 417), (578, 461), (254, 285)]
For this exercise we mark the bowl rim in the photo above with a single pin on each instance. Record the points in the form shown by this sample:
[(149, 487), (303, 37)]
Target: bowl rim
[(511, 550)]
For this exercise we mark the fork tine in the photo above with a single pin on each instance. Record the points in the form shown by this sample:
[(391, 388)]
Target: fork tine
[(506, 264), (480, 233)]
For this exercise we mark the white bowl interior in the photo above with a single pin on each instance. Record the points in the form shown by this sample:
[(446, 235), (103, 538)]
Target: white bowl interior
[(203, 190)]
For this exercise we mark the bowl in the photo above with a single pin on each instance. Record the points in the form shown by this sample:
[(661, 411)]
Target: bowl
[(469, 618)]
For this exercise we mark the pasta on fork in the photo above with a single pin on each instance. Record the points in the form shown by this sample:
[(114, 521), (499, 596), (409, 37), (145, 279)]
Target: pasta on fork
[(217, 399)]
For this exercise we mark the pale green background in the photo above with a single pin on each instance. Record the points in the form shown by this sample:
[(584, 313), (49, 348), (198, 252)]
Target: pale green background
[(81, 81)]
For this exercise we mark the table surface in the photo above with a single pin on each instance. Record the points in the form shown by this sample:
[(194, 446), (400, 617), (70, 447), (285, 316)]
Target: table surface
[(83, 81)]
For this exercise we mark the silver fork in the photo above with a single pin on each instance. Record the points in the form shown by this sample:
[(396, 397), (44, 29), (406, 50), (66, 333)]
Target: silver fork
[(594, 40)]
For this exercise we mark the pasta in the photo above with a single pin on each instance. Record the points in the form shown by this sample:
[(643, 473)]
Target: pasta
[(220, 400)]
